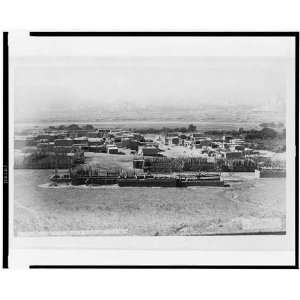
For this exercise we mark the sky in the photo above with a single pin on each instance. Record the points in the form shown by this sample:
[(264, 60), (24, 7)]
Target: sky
[(76, 75)]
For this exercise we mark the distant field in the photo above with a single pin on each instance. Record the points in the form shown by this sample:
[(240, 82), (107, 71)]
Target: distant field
[(201, 125)]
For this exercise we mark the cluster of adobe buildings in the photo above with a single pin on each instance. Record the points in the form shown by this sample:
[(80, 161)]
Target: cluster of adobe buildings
[(62, 148), (226, 147), (197, 152)]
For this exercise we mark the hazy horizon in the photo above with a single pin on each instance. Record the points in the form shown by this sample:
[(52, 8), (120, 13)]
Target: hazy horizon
[(149, 78), (68, 87)]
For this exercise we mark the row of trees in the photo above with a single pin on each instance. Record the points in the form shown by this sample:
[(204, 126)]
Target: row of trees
[(72, 127), (190, 128), (264, 133)]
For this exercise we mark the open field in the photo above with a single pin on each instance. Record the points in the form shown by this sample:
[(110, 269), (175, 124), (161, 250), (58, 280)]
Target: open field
[(180, 151), (109, 161), (201, 125), (248, 205)]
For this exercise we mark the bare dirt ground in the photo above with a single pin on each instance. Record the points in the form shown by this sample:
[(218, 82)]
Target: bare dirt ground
[(248, 205), (110, 160)]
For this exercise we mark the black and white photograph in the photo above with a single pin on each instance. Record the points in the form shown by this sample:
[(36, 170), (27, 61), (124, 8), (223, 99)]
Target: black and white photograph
[(153, 142)]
